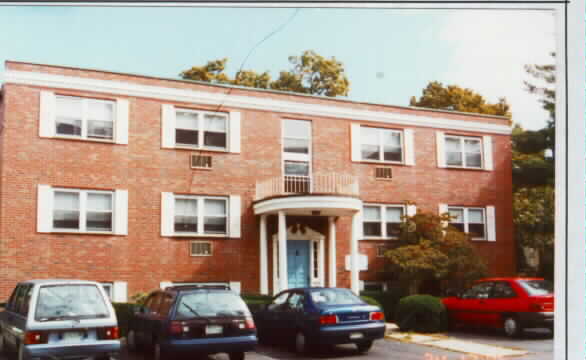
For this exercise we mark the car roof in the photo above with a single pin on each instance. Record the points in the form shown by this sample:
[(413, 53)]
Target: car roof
[(509, 279), (57, 281)]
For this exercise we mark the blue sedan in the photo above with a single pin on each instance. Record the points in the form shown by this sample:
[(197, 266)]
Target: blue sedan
[(320, 316)]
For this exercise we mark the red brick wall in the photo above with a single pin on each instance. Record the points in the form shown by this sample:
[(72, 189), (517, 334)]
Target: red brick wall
[(144, 258)]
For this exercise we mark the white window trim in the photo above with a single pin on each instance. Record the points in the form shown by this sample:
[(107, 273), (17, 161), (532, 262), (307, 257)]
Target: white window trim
[(380, 146), (83, 211), (201, 215), (465, 210), (200, 129), (461, 139), (383, 221), (201, 242)]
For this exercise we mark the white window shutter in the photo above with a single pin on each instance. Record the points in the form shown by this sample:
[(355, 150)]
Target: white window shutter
[(44, 208), (355, 141), (409, 147), (360, 228), (363, 262), (121, 121), (361, 285), (490, 224), (120, 292), (440, 149), (47, 114), (443, 208), (487, 147), (234, 132), (411, 210), (167, 126), (165, 284), (121, 212), (167, 213), (235, 286), (235, 213)]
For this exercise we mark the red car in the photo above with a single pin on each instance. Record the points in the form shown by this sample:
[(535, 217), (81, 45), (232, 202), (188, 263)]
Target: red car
[(511, 304)]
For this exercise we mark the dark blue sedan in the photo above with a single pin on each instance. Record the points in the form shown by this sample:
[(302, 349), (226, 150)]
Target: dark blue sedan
[(320, 316)]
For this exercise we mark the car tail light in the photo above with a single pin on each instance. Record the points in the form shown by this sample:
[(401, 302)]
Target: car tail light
[(377, 316), (109, 333), (535, 307), (250, 323), (35, 337), (328, 319), (175, 327)]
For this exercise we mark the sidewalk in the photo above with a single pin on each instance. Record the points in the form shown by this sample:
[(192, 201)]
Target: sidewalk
[(452, 344)]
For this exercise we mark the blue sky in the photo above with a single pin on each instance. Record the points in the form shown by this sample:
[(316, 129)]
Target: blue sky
[(389, 55)]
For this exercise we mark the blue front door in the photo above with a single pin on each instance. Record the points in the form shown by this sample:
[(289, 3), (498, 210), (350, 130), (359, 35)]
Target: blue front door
[(298, 263)]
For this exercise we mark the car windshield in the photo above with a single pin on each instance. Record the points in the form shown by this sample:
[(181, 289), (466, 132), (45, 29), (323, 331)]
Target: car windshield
[(210, 304), (334, 297), (537, 287), (63, 302)]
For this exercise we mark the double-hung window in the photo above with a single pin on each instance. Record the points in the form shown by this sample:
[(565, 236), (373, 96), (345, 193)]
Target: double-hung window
[(469, 220), (201, 129), (297, 155), (82, 118), (462, 151), (200, 215), (382, 221), (82, 211), (382, 145)]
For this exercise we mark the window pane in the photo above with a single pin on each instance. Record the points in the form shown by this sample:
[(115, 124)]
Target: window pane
[(68, 119), (372, 213), (66, 200), (394, 214), (458, 226), (99, 221), (186, 207), (372, 229), (457, 215), (475, 216), (369, 136), (214, 225), (454, 159), (296, 168), (392, 138), (472, 146), (186, 137), (370, 152), (298, 146), (297, 129), (476, 230), (100, 119), (100, 129), (214, 139), (186, 120), (99, 201), (185, 215), (215, 123), (393, 229), (392, 153), (65, 219), (474, 160), (215, 207), (453, 145), (184, 223)]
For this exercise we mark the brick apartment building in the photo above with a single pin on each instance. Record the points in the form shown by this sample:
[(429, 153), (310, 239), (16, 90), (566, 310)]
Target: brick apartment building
[(139, 182)]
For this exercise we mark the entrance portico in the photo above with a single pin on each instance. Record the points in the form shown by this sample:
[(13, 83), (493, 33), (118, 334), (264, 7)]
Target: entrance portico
[(328, 206)]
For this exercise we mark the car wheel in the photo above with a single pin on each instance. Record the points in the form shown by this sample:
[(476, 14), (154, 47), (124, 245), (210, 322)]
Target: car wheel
[(301, 346), (236, 355), (363, 347), (131, 341), (512, 326)]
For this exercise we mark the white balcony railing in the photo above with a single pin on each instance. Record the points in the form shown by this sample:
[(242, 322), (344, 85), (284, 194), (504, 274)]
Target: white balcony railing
[(338, 184)]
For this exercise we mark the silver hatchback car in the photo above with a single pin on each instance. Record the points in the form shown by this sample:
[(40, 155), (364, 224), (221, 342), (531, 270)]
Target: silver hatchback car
[(59, 319)]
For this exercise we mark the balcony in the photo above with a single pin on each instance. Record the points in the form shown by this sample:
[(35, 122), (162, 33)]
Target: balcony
[(318, 184)]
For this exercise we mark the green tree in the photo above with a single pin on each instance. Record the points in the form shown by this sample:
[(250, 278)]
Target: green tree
[(427, 249), (455, 98), (310, 73)]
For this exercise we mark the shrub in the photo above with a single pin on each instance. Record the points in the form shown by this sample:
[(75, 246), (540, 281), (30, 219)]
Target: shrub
[(371, 301), (421, 313), (388, 300), (255, 302), (139, 297), (124, 311)]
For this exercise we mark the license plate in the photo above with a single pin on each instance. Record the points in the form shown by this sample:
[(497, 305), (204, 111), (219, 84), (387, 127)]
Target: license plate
[(72, 336), (355, 336), (213, 329)]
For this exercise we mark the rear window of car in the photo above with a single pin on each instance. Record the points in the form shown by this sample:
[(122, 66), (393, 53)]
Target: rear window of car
[(537, 287), (210, 304), (334, 297), (63, 302)]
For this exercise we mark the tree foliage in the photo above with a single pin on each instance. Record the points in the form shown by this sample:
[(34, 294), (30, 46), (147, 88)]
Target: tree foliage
[(427, 249), (310, 73), (455, 98), (546, 90)]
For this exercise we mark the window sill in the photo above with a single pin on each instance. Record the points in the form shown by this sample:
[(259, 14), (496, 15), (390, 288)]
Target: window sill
[(465, 168), (76, 138), (194, 235), (69, 232), (193, 148), (379, 162)]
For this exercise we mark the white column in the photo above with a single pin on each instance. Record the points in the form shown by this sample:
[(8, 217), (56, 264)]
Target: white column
[(332, 252), (354, 278), (283, 276), (264, 268)]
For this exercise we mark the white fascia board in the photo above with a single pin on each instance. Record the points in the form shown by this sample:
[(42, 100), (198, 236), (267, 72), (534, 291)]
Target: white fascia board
[(245, 102)]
